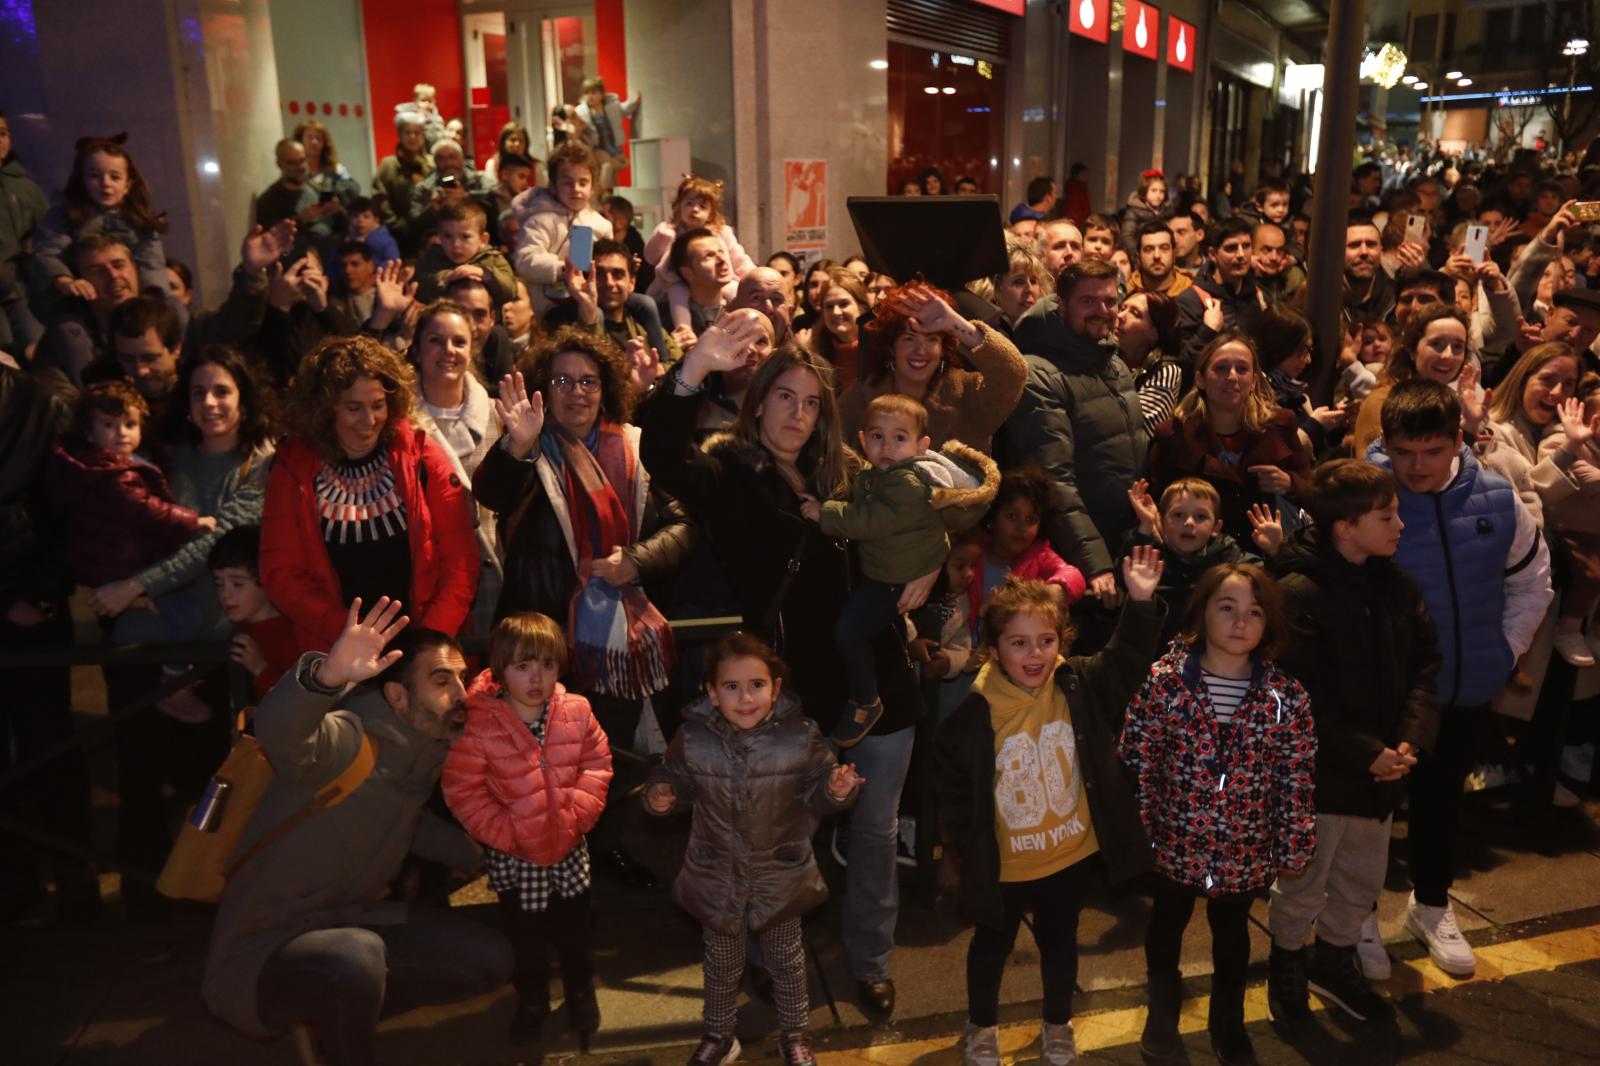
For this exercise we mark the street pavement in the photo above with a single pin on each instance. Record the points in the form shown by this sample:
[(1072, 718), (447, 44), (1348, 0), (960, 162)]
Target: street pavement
[(1529, 899)]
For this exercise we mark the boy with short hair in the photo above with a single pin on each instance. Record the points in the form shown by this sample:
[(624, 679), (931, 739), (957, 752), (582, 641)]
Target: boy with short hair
[(1191, 539), (367, 227), (263, 640), (463, 250), (1484, 571), (1100, 237), (901, 510), (1364, 647), (513, 176), (547, 216)]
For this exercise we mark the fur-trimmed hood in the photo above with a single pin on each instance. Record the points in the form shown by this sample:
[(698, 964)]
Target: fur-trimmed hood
[(963, 482)]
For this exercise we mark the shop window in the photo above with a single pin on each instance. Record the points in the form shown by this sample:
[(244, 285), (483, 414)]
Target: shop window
[(946, 110)]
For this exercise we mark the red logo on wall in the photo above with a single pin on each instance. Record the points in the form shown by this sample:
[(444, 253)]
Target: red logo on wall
[(1090, 18), (1141, 24), (1180, 44), (1010, 7)]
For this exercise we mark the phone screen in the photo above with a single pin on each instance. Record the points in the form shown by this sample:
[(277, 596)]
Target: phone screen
[(1477, 242), (582, 247)]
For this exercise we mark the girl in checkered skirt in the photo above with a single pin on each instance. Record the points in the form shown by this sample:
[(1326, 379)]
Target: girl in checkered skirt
[(528, 778)]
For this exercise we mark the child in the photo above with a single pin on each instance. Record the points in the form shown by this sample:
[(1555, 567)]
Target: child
[(1367, 343), (464, 251), (759, 776), (546, 218), (263, 640), (1476, 553), (1572, 514), (900, 511), (697, 205), (367, 227), (1220, 745), (105, 194), (424, 106), (528, 778), (1191, 539), (946, 622), (1100, 237), (1032, 800), (120, 511), (1364, 647), (1018, 542)]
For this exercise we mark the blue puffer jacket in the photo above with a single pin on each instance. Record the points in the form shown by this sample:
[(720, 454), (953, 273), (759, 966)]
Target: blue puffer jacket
[(1454, 547)]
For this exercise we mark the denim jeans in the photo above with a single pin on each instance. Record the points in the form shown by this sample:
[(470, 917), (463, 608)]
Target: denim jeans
[(872, 608), (341, 981), (872, 887)]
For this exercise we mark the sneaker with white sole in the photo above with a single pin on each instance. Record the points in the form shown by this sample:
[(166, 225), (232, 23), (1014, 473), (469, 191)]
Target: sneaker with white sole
[(981, 1046), (1571, 646), (1436, 927), (1060, 1049), (1370, 951)]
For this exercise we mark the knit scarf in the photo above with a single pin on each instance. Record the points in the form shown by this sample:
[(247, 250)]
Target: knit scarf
[(621, 645)]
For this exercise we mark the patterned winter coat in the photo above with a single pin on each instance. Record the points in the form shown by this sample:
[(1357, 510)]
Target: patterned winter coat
[(517, 796), (1224, 816)]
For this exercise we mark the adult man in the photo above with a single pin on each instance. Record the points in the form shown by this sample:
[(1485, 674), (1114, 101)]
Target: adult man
[(146, 340), (1367, 289), (1574, 320), (604, 300), (1417, 290), (1187, 233), (701, 259), (491, 345), (602, 114), (355, 295), (1230, 284), (1060, 244), (451, 179), (517, 317), (1037, 201), (1079, 419), (1276, 271), (1155, 272), (304, 935), (291, 194), (1365, 182)]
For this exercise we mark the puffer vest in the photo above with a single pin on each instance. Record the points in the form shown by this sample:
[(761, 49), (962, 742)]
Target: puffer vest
[(1454, 547)]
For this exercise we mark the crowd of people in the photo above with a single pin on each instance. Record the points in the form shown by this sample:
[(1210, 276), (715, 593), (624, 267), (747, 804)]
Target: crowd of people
[(1078, 555)]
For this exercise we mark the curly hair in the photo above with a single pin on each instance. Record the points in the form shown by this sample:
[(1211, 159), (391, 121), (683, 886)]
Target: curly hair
[(1025, 483), (329, 157), (1259, 406), (889, 320), (707, 190), (616, 385), (1019, 596), (258, 405), (327, 371)]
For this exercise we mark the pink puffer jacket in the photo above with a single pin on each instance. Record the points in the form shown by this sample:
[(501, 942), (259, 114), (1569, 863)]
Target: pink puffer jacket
[(530, 800)]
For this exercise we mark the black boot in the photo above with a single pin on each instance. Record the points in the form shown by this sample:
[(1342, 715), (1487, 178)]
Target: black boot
[(1160, 1043), (1286, 986), (527, 1024), (583, 1011), (1335, 976), (1226, 1025)]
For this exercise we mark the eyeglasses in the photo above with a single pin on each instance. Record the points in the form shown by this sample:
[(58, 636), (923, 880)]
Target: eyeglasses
[(565, 385)]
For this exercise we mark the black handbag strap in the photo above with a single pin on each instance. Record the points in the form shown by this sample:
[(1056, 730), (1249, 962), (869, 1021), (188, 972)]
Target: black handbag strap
[(771, 619)]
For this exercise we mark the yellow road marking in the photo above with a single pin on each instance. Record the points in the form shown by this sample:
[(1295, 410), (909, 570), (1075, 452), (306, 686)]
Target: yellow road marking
[(1115, 1028)]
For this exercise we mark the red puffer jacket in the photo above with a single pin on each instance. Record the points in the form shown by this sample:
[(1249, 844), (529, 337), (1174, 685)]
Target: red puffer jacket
[(440, 519), (121, 514), (512, 793)]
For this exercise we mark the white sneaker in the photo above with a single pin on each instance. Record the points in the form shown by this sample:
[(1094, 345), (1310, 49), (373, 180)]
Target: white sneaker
[(1572, 647), (981, 1047), (1059, 1047), (1370, 950), (1565, 798), (1436, 927)]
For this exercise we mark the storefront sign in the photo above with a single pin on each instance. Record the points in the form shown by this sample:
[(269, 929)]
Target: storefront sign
[(805, 204), (1010, 7), (1141, 25), (1180, 44), (1090, 18)]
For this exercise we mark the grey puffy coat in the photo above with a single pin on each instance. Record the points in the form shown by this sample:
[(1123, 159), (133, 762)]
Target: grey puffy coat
[(757, 795)]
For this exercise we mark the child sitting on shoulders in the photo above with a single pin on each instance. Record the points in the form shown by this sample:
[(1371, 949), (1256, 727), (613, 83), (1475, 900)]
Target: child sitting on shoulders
[(528, 778), (759, 776), (106, 196), (697, 205), (464, 250), (900, 510), (263, 640)]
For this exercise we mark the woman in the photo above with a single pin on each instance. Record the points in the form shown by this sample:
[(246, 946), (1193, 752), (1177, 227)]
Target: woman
[(1019, 288), (514, 140), (1228, 431), (788, 268), (932, 182), (455, 411), (360, 503), (837, 335), (583, 526), (399, 174), (1282, 335), (917, 342), (1147, 340), (746, 489), (812, 287), (328, 175), (1433, 346), (1148, 203)]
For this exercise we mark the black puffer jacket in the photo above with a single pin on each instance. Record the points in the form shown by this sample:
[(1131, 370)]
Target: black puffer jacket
[(1365, 650), (540, 571), (1136, 213), (757, 795), (1239, 310), (1078, 419), (33, 564), (1098, 688), (1180, 572)]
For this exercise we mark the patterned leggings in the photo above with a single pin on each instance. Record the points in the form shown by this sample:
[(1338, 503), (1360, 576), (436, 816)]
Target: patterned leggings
[(786, 959)]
